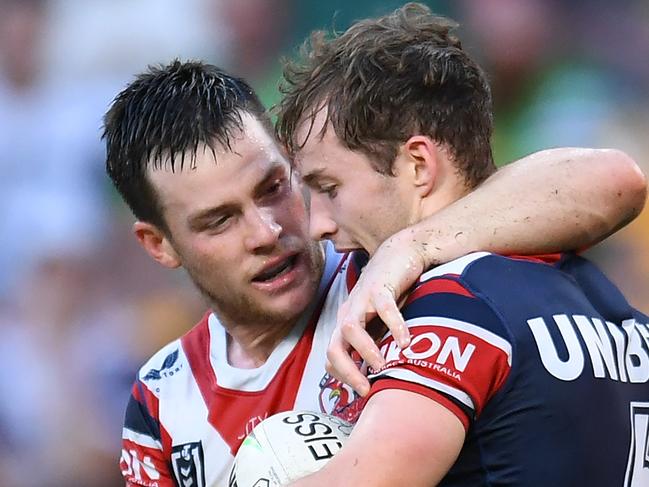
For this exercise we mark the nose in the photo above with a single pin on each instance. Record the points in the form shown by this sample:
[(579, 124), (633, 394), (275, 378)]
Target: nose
[(321, 224), (263, 230)]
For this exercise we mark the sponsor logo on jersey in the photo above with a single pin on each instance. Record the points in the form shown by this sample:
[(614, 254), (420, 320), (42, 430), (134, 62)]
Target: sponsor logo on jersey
[(138, 468), (188, 464), (168, 368), (619, 353), (444, 354)]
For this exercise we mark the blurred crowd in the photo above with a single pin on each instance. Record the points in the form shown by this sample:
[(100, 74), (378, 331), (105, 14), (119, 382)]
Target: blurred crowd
[(82, 306)]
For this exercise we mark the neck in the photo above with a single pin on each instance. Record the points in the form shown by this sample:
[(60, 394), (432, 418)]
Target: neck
[(443, 196), (249, 346)]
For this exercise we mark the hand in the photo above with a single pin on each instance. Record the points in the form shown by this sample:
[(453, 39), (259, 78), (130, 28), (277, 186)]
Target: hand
[(392, 270)]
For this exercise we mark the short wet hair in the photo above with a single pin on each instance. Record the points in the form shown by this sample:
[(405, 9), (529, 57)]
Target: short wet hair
[(164, 117)]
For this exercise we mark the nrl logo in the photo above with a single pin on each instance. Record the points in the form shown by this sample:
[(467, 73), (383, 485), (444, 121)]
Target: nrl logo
[(188, 464)]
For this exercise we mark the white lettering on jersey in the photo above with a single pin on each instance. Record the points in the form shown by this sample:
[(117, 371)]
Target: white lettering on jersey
[(620, 354), (636, 358), (460, 358), (134, 466), (428, 344), (599, 346)]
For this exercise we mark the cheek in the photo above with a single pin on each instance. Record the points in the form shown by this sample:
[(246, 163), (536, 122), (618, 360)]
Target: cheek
[(347, 209), (208, 257)]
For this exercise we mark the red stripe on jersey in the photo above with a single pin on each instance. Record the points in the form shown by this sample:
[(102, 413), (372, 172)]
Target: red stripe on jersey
[(539, 258), (234, 413), (353, 272), (196, 344), (237, 412), (458, 359), (386, 384), (142, 394), (166, 440), (438, 285), (144, 466)]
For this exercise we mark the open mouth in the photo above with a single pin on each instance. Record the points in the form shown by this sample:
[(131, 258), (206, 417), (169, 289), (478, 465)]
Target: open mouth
[(277, 271)]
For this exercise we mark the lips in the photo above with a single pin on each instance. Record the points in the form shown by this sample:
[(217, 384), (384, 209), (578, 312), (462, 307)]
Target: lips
[(276, 268)]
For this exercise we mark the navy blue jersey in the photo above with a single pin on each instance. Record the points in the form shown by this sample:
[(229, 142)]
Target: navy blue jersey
[(546, 365)]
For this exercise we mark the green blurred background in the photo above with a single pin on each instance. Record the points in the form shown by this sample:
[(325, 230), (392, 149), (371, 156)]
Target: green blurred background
[(82, 306)]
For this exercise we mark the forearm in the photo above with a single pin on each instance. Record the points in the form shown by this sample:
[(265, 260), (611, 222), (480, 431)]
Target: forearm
[(557, 199), (384, 442)]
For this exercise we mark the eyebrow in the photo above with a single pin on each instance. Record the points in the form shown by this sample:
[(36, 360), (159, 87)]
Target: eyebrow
[(313, 176)]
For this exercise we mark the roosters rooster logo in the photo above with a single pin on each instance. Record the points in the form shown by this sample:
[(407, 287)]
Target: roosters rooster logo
[(339, 399)]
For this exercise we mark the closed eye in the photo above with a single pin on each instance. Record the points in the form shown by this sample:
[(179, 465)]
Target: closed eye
[(276, 187), (331, 190), (218, 224)]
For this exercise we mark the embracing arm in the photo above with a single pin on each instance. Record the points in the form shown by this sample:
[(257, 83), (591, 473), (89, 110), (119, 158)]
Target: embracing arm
[(557, 199), (396, 426)]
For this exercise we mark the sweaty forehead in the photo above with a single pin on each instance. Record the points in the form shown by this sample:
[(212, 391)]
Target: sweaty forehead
[(253, 138), (252, 156)]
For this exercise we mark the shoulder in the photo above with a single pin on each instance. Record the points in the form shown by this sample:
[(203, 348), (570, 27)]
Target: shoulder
[(171, 361), (491, 277), (457, 267), (162, 364), (444, 292), (475, 263)]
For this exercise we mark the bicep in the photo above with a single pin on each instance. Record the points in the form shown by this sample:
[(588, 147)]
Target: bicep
[(401, 438), (589, 193), (552, 200)]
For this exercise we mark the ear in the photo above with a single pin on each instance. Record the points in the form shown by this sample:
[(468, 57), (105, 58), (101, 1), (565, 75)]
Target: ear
[(421, 153), (156, 243)]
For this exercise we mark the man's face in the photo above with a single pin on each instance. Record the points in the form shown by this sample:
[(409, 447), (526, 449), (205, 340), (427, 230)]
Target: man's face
[(352, 204), (238, 225)]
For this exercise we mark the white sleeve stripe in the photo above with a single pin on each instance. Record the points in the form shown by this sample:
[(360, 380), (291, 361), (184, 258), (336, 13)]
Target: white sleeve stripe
[(410, 376), (140, 439), (475, 330), (456, 266)]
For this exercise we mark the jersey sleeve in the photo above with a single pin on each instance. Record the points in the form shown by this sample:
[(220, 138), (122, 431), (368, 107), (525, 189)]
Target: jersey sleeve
[(460, 351), (144, 461)]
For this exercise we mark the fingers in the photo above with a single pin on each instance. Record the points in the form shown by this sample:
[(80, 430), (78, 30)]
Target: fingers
[(341, 366), (354, 336), (350, 330), (386, 308)]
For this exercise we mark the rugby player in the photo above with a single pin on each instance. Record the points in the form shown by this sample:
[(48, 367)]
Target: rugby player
[(526, 371), (191, 150)]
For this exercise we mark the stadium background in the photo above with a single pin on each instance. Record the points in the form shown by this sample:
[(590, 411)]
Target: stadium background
[(81, 305)]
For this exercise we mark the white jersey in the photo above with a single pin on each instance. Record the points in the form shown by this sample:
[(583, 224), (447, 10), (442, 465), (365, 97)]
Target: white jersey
[(190, 410)]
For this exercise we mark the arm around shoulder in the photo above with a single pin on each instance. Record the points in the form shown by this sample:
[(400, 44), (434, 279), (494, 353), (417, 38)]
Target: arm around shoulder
[(602, 189), (552, 200)]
